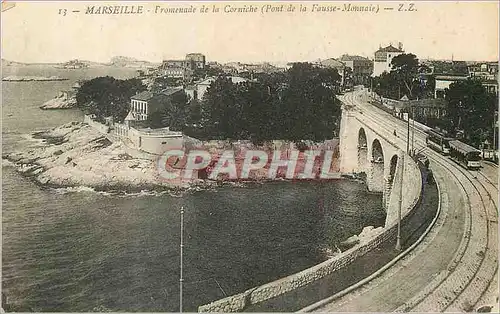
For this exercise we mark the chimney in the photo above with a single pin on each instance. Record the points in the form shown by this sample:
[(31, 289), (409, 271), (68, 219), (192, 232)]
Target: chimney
[(400, 46)]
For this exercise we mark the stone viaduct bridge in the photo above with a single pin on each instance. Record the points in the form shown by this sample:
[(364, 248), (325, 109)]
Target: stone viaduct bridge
[(454, 268), (364, 149)]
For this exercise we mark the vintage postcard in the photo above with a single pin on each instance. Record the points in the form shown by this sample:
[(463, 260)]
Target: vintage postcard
[(266, 156)]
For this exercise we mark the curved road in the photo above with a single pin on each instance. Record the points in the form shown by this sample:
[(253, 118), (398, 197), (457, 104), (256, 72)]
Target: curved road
[(455, 268)]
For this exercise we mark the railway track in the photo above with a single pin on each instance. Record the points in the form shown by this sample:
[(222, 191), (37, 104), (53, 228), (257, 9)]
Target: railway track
[(469, 274)]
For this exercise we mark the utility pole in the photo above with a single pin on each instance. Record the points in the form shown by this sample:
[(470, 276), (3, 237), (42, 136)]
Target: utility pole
[(408, 134), (495, 123), (400, 201), (413, 128), (181, 248)]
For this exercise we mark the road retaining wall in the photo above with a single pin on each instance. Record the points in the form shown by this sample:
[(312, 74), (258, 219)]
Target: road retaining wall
[(286, 285)]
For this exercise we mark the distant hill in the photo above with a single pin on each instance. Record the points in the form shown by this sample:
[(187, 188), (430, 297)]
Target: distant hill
[(11, 63), (121, 61)]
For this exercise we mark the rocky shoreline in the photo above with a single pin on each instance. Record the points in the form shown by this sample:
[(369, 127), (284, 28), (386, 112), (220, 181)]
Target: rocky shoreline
[(75, 155)]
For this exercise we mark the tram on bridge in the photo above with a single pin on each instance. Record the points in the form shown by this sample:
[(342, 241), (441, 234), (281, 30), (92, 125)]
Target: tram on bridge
[(465, 155), (438, 141)]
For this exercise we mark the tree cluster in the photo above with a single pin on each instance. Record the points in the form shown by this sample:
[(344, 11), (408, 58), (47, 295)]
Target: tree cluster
[(471, 109), (176, 112), (108, 97), (299, 104), (407, 77), (295, 105)]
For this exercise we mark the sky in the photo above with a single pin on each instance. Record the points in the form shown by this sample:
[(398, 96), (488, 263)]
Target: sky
[(37, 32)]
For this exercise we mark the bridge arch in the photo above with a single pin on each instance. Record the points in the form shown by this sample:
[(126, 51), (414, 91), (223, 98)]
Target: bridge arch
[(377, 152), (376, 182), (362, 150)]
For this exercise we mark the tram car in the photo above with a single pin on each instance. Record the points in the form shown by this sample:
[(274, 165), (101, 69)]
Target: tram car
[(438, 141), (465, 155)]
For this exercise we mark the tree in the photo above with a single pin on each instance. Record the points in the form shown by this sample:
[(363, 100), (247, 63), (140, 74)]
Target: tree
[(218, 110), (107, 96), (348, 79), (175, 112), (161, 83), (471, 109), (405, 68), (386, 85), (207, 71), (155, 120), (311, 103), (295, 105)]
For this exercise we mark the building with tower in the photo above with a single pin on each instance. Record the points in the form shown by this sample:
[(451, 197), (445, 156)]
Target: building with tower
[(383, 58)]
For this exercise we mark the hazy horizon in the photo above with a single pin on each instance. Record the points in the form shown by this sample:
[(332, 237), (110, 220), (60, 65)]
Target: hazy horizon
[(224, 62), (36, 33)]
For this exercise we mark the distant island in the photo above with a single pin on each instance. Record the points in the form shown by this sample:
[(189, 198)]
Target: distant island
[(118, 61), (14, 78), (121, 61), (73, 64)]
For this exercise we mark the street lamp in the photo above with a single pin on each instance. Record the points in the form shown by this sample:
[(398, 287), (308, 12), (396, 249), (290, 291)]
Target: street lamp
[(400, 201), (408, 134), (413, 128), (495, 126), (181, 279)]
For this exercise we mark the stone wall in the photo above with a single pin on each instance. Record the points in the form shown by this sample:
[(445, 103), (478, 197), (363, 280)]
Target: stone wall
[(412, 186), (392, 104), (96, 125), (286, 285), (153, 143)]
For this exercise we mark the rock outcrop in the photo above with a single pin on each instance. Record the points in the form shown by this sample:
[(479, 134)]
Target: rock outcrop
[(62, 101), (75, 155)]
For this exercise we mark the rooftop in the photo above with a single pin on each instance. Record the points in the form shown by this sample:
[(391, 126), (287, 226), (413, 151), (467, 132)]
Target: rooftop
[(389, 48), (143, 96), (332, 63), (171, 90), (234, 79), (353, 58), (197, 54), (160, 132), (451, 77), (462, 147), (451, 68)]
